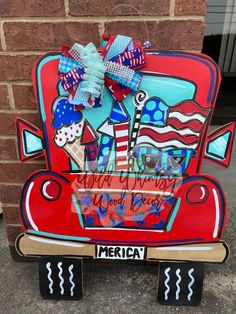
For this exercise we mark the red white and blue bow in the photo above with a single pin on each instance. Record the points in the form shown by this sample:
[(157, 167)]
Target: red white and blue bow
[(84, 71)]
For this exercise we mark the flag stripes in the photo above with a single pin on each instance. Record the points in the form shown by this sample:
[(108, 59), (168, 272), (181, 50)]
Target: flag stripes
[(121, 131)]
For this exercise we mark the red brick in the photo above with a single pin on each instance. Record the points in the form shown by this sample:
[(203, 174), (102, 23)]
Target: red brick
[(97, 8), (7, 121), (32, 8), (10, 194), (190, 7), (12, 233), (16, 67), (17, 172), (135, 29), (11, 214), (24, 97), (4, 101), (7, 149), (180, 35), (48, 36)]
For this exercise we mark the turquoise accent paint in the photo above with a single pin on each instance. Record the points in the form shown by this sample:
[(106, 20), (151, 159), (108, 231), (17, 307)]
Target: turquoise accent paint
[(179, 151), (24, 145), (217, 147), (186, 161), (57, 236), (175, 211), (104, 42), (164, 160), (77, 207), (32, 143), (158, 115), (170, 90), (62, 92), (151, 105), (74, 166)]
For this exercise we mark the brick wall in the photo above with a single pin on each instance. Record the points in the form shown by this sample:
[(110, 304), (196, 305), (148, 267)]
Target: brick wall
[(28, 28)]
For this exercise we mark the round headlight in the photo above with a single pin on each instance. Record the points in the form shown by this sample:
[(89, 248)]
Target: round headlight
[(197, 193), (51, 190)]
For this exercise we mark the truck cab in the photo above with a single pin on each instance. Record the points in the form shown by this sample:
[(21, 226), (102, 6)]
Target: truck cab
[(123, 180)]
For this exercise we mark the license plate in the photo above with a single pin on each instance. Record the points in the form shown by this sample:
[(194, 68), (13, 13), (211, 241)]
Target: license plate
[(121, 252)]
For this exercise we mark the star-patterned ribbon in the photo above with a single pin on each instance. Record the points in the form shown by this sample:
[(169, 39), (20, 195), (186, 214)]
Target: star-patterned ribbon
[(84, 71)]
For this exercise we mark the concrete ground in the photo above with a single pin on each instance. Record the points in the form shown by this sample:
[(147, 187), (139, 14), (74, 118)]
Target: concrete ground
[(121, 288)]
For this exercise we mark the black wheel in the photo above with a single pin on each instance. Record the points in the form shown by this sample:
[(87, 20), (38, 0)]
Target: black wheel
[(61, 278), (180, 283)]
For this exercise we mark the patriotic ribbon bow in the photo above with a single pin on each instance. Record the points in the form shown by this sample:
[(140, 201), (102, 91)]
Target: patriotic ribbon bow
[(84, 72)]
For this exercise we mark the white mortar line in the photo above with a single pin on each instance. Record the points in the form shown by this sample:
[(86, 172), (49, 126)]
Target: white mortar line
[(2, 37), (16, 82), (9, 204), (98, 19), (14, 225), (22, 53), (12, 184), (16, 161), (19, 111), (101, 29), (67, 9), (172, 8), (11, 96), (7, 137)]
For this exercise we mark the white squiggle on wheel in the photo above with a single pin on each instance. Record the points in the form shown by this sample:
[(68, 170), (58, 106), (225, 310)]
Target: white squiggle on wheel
[(49, 277), (60, 276), (70, 279), (166, 283), (177, 284), (190, 284)]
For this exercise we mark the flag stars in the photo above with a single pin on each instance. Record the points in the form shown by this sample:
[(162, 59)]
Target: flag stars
[(126, 62), (136, 53)]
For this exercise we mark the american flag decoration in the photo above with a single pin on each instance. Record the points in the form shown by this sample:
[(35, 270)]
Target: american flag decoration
[(182, 130)]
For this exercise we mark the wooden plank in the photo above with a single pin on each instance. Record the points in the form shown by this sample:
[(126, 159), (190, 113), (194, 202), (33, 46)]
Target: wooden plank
[(204, 252), (30, 245)]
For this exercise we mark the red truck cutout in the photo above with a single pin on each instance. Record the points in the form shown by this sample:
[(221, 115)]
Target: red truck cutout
[(123, 178)]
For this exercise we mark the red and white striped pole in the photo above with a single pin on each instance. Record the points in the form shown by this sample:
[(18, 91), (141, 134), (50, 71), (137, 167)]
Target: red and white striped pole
[(121, 131)]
